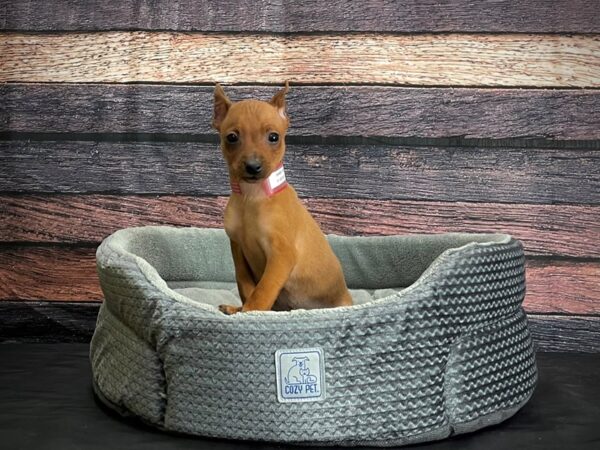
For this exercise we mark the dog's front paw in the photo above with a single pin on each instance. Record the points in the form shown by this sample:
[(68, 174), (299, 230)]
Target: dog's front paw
[(229, 310)]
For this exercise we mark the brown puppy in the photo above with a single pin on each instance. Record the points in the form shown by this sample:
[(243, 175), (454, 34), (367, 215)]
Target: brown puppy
[(282, 259)]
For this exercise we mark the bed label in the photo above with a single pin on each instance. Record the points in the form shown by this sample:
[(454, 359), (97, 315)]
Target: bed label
[(300, 375)]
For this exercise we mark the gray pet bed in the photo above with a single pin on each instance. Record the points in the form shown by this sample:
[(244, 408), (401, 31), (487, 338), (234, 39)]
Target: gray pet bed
[(437, 343)]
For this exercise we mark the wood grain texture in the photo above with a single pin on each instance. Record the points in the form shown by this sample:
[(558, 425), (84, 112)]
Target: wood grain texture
[(354, 171), (322, 111), (28, 322), (562, 230), (78, 219), (565, 334), (572, 16), (69, 274), (421, 59), (563, 287), (48, 273)]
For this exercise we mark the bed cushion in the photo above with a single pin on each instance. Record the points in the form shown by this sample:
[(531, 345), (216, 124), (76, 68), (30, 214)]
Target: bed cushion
[(436, 344)]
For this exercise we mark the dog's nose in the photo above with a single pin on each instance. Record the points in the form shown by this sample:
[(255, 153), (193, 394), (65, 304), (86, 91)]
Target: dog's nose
[(253, 167)]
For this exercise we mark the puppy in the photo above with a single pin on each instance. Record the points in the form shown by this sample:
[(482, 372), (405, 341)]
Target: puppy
[(282, 259)]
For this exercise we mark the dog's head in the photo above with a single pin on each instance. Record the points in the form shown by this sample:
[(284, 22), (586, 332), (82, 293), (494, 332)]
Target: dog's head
[(252, 134)]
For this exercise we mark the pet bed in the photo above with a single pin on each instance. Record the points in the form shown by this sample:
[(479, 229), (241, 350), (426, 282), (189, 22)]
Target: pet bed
[(436, 344)]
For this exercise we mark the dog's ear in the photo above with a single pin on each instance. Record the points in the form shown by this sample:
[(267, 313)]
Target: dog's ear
[(222, 104), (278, 101)]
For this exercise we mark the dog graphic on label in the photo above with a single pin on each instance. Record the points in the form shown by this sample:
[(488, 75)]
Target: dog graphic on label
[(299, 373)]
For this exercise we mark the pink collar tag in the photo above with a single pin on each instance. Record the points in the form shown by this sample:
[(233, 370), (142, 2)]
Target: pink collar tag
[(235, 187), (276, 182)]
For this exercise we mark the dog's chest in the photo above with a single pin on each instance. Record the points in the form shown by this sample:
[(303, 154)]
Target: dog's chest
[(241, 221), (244, 228), (233, 222)]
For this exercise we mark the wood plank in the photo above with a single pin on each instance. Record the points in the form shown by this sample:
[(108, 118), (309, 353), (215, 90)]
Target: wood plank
[(563, 230), (571, 16), (28, 322), (423, 59), (565, 334), (345, 171), (69, 274), (48, 273), (87, 219), (558, 286), (48, 322), (314, 111)]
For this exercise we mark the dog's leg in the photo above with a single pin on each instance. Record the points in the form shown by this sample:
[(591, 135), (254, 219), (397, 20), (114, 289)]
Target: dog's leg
[(280, 263), (245, 282), (244, 278)]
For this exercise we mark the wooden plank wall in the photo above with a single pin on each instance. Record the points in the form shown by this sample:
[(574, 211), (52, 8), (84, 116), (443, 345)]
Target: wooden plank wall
[(407, 117)]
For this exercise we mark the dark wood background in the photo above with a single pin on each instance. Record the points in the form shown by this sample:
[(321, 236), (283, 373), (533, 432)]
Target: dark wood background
[(407, 117)]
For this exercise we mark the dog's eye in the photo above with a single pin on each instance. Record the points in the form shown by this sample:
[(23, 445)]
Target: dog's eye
[(232, 138), (273, 137)]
